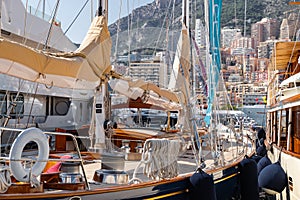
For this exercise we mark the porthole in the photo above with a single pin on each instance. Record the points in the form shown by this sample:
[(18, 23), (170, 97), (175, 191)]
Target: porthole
[(61, 108)]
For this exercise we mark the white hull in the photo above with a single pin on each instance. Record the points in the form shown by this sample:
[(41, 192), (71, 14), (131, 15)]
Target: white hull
[(291, 166)]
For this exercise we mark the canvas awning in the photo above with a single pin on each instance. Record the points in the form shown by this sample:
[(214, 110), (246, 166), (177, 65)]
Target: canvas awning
[(138, 103), (80, 69), (283, 53)]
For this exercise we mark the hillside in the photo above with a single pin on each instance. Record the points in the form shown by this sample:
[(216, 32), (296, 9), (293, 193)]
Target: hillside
[(149, 23)]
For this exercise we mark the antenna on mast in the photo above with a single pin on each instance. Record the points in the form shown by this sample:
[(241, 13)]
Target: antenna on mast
[(99, 13), (102, 8)]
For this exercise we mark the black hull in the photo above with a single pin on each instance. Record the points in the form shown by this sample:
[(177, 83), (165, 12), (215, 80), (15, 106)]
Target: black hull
[(226, 187)]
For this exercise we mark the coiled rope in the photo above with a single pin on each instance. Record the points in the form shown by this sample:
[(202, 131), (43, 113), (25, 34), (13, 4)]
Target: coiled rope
[(5, 180), (160, 159)]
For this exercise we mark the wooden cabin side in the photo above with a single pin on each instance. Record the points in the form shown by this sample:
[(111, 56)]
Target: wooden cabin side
[(283, 118)]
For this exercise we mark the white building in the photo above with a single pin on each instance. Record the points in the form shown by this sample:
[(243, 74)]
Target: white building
[(150, 70), (200, 34), (228, 35)]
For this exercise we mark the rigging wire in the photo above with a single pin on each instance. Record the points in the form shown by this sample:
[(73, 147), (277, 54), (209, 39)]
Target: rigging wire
[(92, 10), (10, 109), (73, 21), (129, 39), (25, 20), (131, 20), (172, 32), (117, 36), (295, 42), (30, 27), (137, 21), (32, 104), (189, 115), (161, 29), (51, 25)]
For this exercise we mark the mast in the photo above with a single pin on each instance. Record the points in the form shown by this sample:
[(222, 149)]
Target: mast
[(102, 102), (44, 9), (213, 17), (190, 118), (245, 18)]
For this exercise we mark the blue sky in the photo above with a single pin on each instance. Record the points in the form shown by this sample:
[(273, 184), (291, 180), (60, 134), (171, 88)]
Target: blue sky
[(68, 9)]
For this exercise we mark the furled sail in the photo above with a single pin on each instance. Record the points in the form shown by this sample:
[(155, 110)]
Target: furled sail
[(215, 8), (180, 74), (81, 69)]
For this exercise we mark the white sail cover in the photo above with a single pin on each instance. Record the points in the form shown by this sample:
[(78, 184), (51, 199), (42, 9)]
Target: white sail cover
[(81, 69), (135, 89)]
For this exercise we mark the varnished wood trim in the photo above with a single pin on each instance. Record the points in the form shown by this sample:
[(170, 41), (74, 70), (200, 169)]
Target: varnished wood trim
[(287, 152), (294, 3)]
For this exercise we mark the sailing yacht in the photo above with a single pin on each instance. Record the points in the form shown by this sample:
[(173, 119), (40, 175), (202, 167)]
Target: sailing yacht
[(163, 167)]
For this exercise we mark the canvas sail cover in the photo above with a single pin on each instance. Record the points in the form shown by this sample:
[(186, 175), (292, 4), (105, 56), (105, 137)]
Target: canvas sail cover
[(180, 73), (81, 69), (148, 92)]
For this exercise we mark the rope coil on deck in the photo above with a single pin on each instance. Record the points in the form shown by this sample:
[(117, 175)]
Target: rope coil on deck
[(160, 159), (5, 179)]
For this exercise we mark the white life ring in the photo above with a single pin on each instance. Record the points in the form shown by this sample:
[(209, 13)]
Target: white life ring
[(31, 134)]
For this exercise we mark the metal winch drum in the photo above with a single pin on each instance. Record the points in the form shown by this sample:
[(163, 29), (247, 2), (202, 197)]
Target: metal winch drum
[(70, 178), (70, 167)]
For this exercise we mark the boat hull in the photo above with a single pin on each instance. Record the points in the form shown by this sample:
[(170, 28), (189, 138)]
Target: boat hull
[(291, 164), (177, 188)]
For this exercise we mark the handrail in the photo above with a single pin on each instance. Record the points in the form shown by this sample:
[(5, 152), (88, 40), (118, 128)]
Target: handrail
[(78, 152), (272, 91)]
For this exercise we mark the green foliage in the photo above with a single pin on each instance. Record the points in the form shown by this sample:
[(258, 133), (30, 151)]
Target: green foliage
[(233, 15)]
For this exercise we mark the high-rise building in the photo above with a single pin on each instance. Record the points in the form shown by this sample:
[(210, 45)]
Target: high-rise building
[(284, 30), (265, 49), (289, 27), (150, 70), (228, 35), (200, 34), (264, 30)]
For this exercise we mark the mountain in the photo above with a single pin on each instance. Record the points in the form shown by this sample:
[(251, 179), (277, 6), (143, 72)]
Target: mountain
[(148, 27)]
